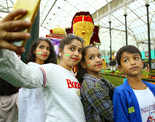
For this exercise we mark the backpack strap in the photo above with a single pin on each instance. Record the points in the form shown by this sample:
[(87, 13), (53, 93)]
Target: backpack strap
[(44, 76)]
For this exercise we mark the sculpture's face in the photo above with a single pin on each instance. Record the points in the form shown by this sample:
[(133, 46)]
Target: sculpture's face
[(83, 27)]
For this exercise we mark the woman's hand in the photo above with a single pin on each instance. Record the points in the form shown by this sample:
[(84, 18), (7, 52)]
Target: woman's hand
[(11, 28)]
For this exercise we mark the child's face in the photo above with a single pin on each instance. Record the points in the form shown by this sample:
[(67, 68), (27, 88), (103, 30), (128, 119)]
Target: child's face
[(93, 61), (131, 64), (71, 54), (42, 51)]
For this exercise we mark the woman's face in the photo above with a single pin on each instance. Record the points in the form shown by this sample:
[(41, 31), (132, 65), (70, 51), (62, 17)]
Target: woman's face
[(71, 54), (42, 52)]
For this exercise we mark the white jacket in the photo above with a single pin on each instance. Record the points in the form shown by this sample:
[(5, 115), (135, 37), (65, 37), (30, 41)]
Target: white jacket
[(61, 95), (31, 101)]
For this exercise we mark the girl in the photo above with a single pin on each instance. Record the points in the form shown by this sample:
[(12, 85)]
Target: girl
[(95, 91), (62, 101), (41, 52)]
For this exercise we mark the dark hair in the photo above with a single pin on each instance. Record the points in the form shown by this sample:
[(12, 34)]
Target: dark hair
[(81, 71), (67, 40), (52, 57), (129, 49)]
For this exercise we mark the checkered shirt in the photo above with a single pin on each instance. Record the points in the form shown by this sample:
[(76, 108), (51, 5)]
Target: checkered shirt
[(96, 101)]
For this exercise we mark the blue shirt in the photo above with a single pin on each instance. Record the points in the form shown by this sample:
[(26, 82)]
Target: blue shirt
[(126, 107)]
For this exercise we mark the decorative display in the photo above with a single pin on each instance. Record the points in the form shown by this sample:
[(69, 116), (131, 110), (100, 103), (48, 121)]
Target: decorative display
[(56, 34), (83, 26)]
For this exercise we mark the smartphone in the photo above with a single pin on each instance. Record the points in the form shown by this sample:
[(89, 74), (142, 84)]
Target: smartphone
[(32, 7)]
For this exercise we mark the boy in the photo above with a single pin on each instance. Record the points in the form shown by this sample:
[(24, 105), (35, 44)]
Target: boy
[(134, 100)]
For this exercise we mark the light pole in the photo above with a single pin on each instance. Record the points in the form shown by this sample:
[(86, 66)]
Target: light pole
[(125, 15), (148, 28), (126, 31), (110, 39)]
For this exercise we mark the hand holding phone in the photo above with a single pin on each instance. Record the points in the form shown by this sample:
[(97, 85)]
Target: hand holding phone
[(32, 7)]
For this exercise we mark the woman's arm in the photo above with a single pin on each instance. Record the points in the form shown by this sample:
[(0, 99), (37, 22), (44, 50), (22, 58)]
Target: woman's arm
[(11, 30), (13, 70)]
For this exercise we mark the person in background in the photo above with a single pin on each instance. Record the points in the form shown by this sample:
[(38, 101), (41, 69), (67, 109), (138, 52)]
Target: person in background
[(61, 88), (11, 29), (8, 102), (146, 67), (112, 64), (134, 100), (96, 92), (31, 100), (104, 64)]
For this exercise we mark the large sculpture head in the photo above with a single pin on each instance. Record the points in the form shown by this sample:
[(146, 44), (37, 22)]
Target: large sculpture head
[(83, 26)]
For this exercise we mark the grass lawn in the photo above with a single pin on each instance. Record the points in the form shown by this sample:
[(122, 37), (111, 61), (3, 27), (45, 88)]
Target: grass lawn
[(118, 80), (114, 80)]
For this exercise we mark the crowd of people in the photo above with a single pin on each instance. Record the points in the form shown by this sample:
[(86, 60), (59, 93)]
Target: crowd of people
[(49, 91)]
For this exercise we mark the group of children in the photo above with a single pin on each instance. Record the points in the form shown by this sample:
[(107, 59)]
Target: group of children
[(54, 92)]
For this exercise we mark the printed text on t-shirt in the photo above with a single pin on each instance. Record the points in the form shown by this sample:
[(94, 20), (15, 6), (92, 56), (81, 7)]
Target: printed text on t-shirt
[(72, 84)]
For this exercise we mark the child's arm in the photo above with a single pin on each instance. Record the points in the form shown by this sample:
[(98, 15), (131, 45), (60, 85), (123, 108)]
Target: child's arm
[(99, 100), (120, 108), (13, 70)]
